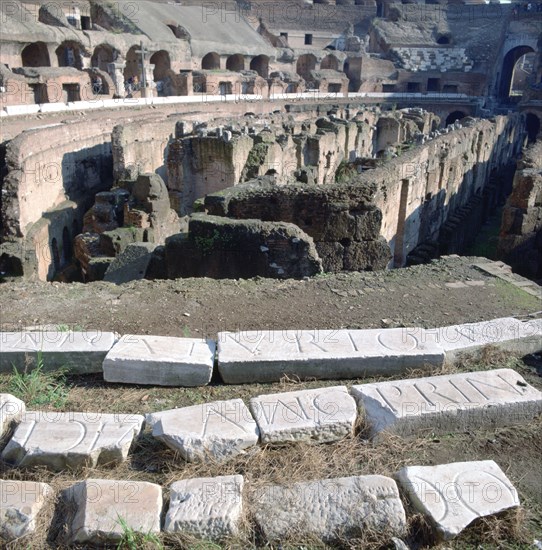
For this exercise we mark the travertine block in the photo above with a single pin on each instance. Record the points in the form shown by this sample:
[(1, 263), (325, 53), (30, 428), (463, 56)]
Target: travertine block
[(11, 410), (209, 508), (79, 352), (320, 415), (326, 354), (20, 504), (218, 430), (453, 495), (71, 440), (330, 509), (509, 334), (104, 505), (439, 404), (160, 360)]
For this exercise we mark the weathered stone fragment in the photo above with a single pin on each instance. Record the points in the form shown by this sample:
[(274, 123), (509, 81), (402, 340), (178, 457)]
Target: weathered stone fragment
[(105, 508), (11, 410), (79, 352), (131, 264), (160, 360), (506, 333), (330, 509), (453, 495), (71, 440), (321, 415), (209, 508), (267, 356), (456, 402), (219, 430), (20, 504)]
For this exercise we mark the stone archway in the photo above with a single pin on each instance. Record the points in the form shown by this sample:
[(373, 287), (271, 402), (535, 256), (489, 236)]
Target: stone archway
[(235, 63), (162, 65), (260, 64), (507, 72), (133, 63), (211, 62), (36, 55), (102, 56), (330, 62), (453, 116), (70, 54), (305, 64)]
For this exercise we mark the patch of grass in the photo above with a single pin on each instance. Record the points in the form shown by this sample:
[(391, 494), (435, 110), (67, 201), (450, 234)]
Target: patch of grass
[(132, 540), (39, 388)]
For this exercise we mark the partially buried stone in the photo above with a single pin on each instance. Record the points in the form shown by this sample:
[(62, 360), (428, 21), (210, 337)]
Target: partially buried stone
[(209, 508), (20, 504), (218, 431), (71, 440), (330, 509), (454, 495), (314, 416), (105, 509)]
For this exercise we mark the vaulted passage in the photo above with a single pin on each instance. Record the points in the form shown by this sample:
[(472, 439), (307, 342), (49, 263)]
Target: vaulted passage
[(162, 65), (260, 64), (507, 73), (35, 55), (211, 62)]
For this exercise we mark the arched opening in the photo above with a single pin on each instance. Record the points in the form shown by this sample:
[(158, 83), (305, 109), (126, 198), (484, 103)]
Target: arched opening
[(35, 55), (522, 74), (330, 62), (102, 56), (260, 64), (55, 254), (444, 40), (133, 64), (508, 65), (70, 54), (532, 124), (305, 64), (453, 116), (211, 62), (179, 32), (67, 248), (162, 65), (235, 63)]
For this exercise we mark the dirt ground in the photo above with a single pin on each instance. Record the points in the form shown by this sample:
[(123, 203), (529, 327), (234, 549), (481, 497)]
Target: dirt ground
[(202, 307), (417, 296)]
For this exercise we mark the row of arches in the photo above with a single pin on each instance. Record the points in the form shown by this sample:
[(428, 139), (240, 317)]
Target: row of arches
[(71, 54), (305, 63)]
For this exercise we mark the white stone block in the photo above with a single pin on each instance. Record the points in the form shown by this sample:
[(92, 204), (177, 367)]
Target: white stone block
[(506, 333), (320, 415), (11, 410), (103, 505), (266, 356), (71, 440), (453, 495), (20, 504), (330, 508), (209, 508), (15, 110), (79, 352), (218, 430), (440, 404), (160, 360)]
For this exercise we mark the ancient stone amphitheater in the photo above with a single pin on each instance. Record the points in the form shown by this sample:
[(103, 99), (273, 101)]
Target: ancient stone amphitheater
[(156, 155)]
